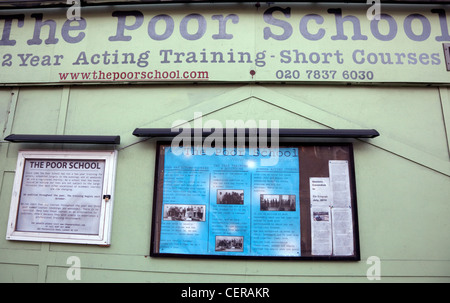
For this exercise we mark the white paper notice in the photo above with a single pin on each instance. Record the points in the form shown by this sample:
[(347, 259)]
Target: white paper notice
[(321, 243), (341, 214), (61, 196), (321, 200), (340, 183), (320, 191), (342, 232)]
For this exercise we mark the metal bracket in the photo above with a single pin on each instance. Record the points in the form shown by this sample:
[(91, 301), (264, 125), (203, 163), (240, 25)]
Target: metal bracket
[(447, 55)]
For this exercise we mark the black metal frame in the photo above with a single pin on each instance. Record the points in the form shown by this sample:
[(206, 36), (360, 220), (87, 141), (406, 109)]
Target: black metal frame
[(73, 139), (159, 169), (282, 132), (25, 4)]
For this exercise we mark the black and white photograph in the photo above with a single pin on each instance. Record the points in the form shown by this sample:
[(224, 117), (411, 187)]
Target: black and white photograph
[(184, 212), (230, 196), (229, 243), (277, 202)]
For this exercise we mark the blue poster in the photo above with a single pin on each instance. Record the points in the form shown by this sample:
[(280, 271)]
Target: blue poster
[(231, 202)]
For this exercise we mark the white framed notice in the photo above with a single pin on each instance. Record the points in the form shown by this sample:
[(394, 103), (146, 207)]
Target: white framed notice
[(63, 196)]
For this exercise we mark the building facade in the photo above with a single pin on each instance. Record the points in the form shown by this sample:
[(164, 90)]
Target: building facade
[(112, 69)]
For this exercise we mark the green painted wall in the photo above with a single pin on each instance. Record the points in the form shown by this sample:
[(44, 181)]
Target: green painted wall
[(402, 177)]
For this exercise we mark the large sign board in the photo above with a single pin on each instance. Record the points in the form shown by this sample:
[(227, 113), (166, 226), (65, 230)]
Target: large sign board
[(283, 42), (62, 197), (228, 202)]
